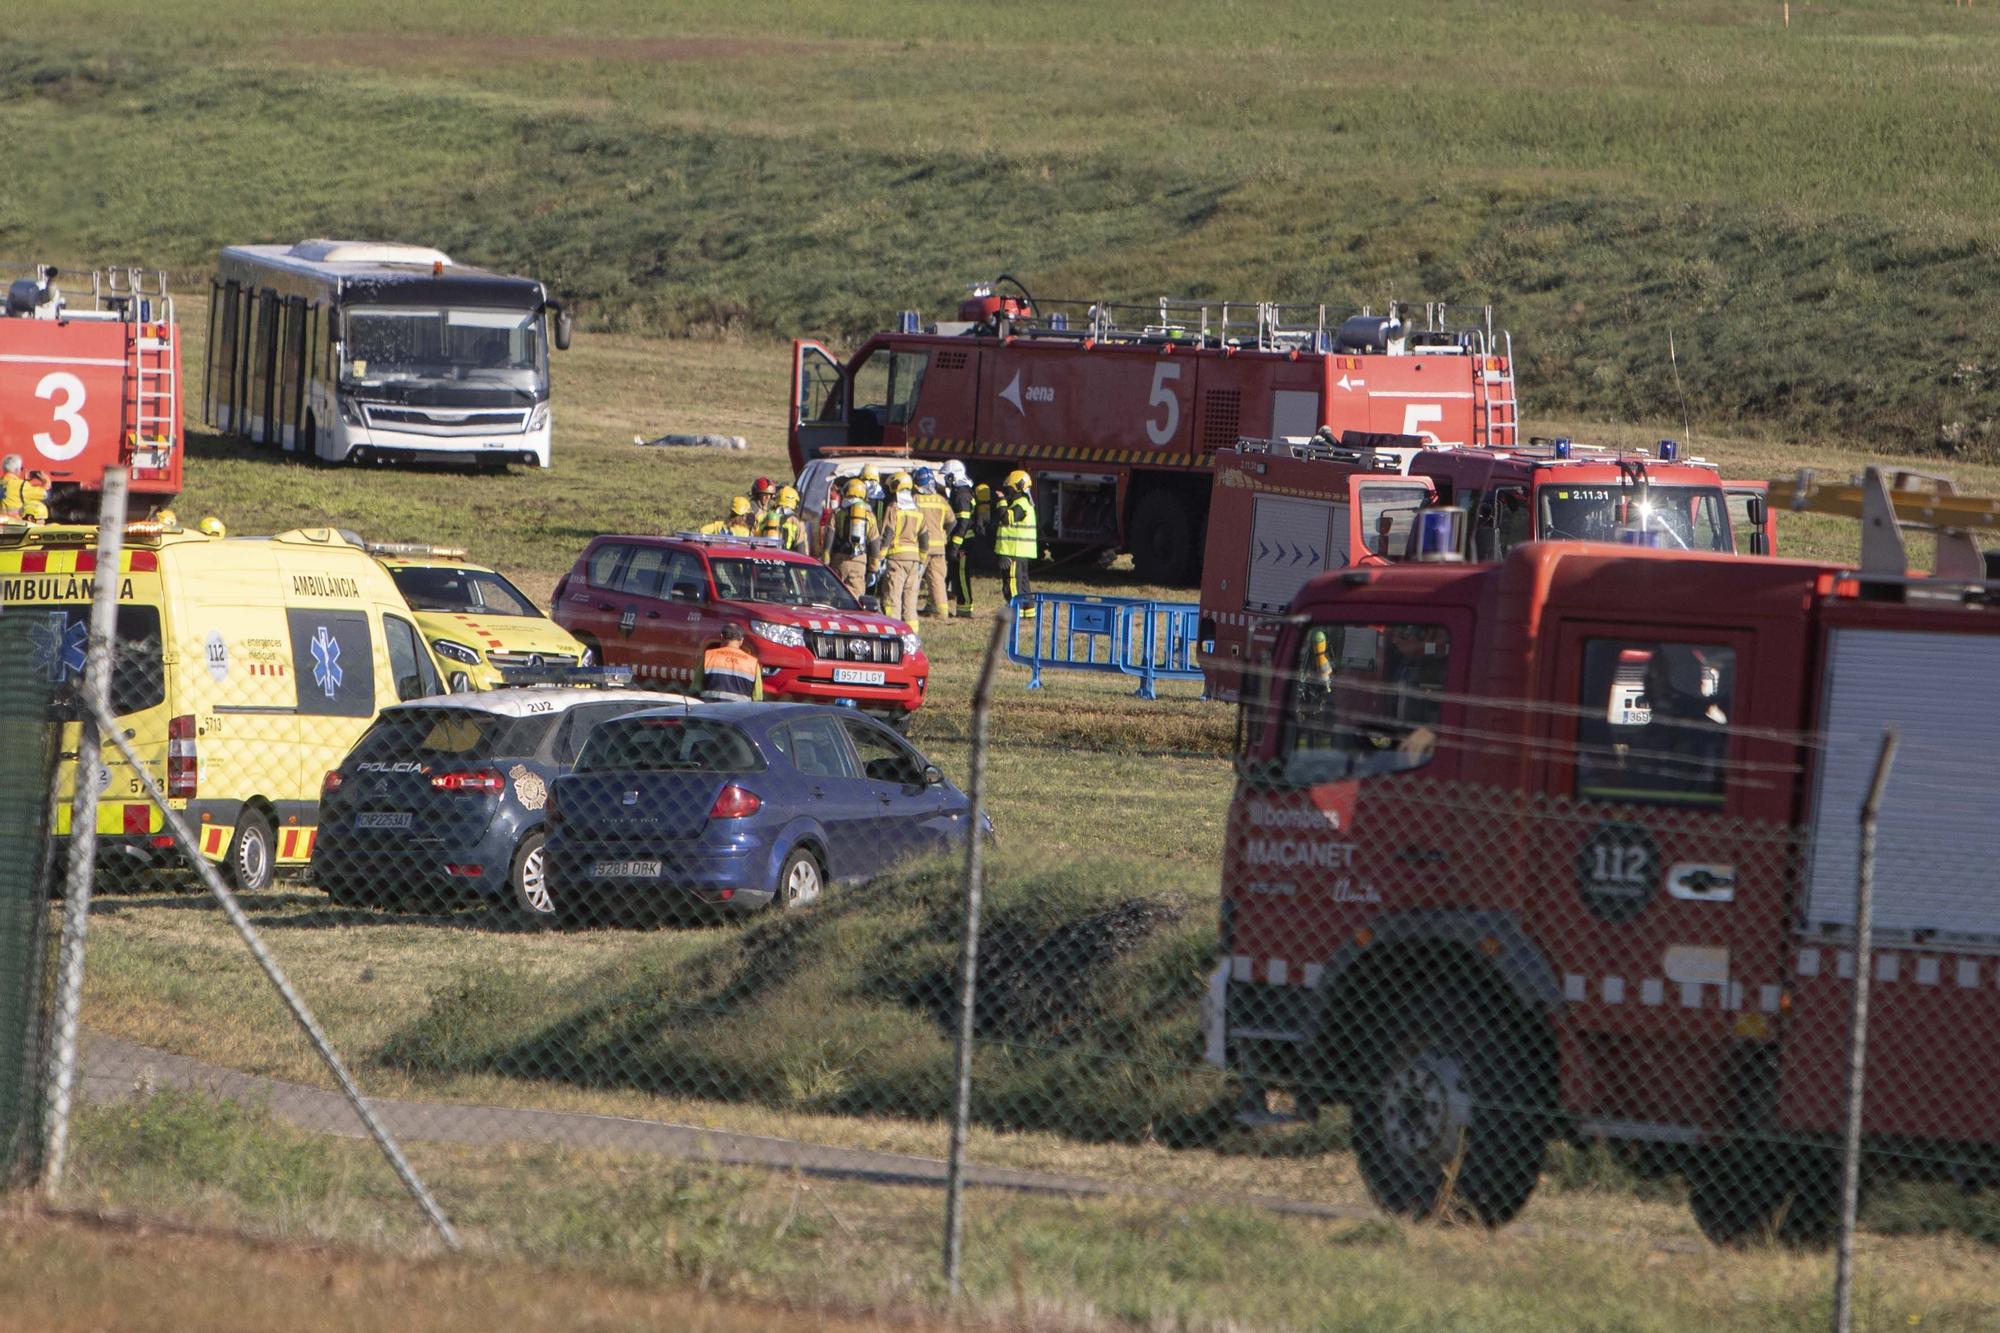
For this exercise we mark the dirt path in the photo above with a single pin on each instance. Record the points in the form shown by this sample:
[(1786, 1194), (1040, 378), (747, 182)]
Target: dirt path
[(114, 1067)]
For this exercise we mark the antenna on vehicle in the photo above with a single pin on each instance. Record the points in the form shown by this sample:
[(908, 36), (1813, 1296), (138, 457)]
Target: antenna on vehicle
[(1673, 359)]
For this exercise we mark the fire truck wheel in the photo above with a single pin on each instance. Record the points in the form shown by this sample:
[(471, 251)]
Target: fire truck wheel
[(1163, 539), (1760, 1193), (1444, 1123), (252, 861)]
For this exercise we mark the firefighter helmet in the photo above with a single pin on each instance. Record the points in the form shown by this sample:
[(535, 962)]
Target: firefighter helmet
[(899, 483), (1018, 480), (869, 472), (788, 498), (11, 463), (857, 489), (212, 526), (761, 486), (740, 507), (166, 518), (926, 478), (954, 471)]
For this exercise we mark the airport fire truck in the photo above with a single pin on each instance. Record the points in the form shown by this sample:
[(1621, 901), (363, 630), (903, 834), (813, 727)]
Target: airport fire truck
[(89, 379), (1284, 510), (1567, 845), (1117, 411)]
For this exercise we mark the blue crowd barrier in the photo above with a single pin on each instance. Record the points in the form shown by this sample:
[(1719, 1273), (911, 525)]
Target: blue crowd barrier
[(1130, 636)]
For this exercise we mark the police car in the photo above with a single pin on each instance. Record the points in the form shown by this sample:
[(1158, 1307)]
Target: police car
[(477, 623), (442, 801)]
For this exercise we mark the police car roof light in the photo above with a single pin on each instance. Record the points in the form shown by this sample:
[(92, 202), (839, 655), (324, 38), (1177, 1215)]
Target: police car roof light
[(609, 677)]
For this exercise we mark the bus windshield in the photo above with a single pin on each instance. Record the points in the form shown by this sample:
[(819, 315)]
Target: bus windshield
[(401, 344), (1691, 518)]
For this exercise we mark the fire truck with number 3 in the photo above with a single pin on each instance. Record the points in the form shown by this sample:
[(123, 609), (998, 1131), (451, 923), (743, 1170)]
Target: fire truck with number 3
[(92, 381), (1117, 410), (1567, 845)]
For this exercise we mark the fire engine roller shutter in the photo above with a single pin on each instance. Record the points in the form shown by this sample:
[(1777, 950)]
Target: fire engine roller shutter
[(1290, 541), (1938, 838)]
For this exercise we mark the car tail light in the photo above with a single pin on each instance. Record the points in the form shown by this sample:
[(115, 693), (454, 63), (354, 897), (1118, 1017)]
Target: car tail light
[(465, 871), (183, 771), (734, 802), (330, 783), (477, 781)]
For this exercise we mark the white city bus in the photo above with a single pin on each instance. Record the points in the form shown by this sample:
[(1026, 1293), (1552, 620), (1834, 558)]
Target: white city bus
[(355, 351)]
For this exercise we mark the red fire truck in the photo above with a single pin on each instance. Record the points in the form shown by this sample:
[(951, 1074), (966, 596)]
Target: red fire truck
[(91, 380), (1567, 845), (1273, 502), (1117, 411)]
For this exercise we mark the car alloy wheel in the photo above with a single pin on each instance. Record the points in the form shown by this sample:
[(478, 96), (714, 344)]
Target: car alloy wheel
[(799, 882)]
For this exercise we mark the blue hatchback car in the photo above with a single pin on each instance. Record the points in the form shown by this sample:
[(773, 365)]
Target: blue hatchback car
[(735, 807)]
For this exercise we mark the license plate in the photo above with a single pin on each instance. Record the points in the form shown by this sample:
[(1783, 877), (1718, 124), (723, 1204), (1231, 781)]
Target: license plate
[(382, 819), (626, 870), (855, 676)]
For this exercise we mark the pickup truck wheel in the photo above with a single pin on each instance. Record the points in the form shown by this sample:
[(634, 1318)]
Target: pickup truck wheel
[(528, 878), (252, 861), (1447, 1117), (1747, 1193)]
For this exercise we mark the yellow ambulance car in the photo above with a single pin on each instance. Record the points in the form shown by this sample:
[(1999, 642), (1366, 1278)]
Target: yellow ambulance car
[(246, 668), (479, 624)]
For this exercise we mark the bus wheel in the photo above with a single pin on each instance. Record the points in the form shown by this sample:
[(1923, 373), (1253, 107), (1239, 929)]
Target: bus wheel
[(1750, 1192), (1445, 1118), (1162, 539), (252, 860)]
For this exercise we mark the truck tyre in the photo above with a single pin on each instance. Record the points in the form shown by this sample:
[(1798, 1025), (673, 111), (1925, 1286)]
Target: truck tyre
[(252, 862), (1751, 1192), (528, 878), (1450, 1113), (1162, 539)]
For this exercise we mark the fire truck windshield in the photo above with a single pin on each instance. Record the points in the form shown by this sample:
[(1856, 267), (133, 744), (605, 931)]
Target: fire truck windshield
[(393, 344), (1363, 700), (1694, 518)]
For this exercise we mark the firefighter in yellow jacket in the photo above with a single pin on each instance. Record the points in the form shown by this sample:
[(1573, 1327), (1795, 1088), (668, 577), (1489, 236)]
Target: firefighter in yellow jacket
[(937, 516), (1016, 541), (738, 524), (904, 546), (854, 541), (729, 673), (782, 522)]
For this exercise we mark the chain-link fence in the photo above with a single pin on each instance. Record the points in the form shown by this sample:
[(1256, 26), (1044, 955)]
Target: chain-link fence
[(1377, 996), (26, 759)]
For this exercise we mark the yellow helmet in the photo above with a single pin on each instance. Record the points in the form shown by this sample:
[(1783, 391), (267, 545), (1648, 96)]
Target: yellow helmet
[(213, 527), (165, 518), (1019, 480), (788, 498), (899, 482), (869, 472), (740, 507), (857, 489)]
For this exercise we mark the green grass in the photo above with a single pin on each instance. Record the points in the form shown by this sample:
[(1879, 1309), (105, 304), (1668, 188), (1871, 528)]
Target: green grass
[(1810, 211)]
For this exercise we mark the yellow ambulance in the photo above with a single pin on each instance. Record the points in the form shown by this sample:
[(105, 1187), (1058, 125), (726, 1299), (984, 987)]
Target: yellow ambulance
[(479, 625), (246, 667)]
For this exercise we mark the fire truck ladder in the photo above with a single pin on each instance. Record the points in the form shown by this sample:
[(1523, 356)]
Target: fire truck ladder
[(1887, 503), (1496, 419), (152, 408), (1267, 326)]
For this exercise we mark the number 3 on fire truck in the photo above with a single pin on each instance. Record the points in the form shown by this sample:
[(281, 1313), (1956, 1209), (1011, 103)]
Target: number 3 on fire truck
[(1160, 432), (68, 414)]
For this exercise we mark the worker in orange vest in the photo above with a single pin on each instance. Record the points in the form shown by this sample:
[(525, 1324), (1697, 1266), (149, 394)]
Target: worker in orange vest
[(729, 673)]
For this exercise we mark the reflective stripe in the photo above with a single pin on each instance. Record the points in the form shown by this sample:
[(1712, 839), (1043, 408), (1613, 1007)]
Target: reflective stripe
[(1016, 538), (905, 524), (729, 671)]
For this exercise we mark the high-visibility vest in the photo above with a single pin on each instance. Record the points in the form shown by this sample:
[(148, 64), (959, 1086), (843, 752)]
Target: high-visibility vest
[(785, 526), (905, 527), (733, 526), (730, 673), (854, 529), (937, 520), (1016, 539), (10, 497)]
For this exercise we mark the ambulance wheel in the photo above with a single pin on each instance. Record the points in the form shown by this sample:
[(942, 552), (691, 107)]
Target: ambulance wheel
[(1162, 540), (530, 882), (1749, 1193), (1445, 1117), (252, 861)]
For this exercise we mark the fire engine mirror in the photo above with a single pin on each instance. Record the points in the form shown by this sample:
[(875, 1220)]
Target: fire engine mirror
[(565, 325)]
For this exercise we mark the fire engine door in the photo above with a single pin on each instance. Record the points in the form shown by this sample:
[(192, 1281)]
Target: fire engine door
[(1645, 882), (1742, 495), (819, 401)]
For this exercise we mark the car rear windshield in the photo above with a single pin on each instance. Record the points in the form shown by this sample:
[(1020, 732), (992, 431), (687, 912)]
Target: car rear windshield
[(55, 642), (464, 590), (668, 745), (448, 733), (787, 582)]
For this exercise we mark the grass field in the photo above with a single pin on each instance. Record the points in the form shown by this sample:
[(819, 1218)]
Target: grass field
[(1809, 210)]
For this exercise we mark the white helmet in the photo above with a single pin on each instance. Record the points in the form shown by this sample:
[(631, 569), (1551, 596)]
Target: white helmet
[(954, 471), (12, 462)]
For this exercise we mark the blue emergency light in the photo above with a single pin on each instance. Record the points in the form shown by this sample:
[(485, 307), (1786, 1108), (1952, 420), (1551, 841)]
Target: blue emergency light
[(1058, 321), (1438, 534), (1642, 536), (909, 321), (1563, 447), (1669, 451)]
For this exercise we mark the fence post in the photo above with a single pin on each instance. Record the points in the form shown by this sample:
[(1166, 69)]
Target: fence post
[(82, 864), (968, 964), (1857, 1048)]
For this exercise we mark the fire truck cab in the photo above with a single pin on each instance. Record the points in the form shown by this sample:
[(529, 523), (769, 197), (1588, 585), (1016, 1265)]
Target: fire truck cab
[(1118, 410), (1567, 845), (90, 379)]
